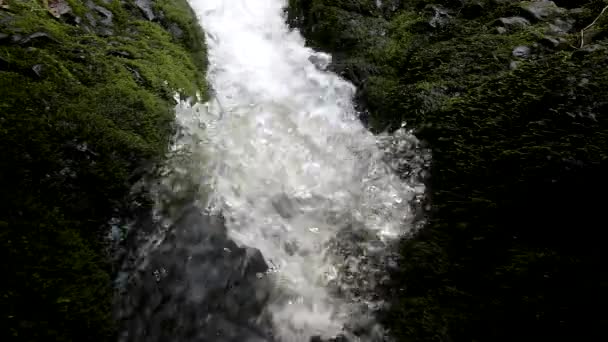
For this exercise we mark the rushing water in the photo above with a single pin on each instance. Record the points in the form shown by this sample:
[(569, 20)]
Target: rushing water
[(276, 162)]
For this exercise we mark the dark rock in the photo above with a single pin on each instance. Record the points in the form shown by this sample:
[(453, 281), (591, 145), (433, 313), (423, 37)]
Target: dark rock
[(521, 52), (123, 54), (4, 36), (4, 64), (202, 282), (146, 7), (16, 38), (472, 9), (38, 37), (557, 43), (284, 206), (320, 61), (587, 49)]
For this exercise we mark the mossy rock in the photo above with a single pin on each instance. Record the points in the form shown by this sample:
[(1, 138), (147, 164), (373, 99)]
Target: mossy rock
[(86, 102), (519, 145)]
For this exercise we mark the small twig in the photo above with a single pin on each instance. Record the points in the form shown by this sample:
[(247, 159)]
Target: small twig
[(589, 26)]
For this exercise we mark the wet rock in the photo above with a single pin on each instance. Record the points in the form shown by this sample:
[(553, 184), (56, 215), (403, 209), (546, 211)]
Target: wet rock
[(512, 23), (284, 206), (521, 52), (202, 283), (146, 7), (541, 10), (320, 61)]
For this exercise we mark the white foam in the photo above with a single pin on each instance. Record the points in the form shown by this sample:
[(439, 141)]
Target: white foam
[(286, 160)]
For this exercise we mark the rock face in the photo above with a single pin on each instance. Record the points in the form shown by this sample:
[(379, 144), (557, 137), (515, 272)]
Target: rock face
[(86, 104), (515, 116), (197, 284)]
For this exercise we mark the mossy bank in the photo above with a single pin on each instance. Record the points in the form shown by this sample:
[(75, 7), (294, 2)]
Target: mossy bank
[(512, 97), (86, 107)]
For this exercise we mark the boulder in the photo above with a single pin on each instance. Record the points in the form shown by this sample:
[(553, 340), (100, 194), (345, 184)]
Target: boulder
[(540, 10)]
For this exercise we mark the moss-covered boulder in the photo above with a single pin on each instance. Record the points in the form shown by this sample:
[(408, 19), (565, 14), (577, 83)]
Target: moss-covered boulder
[(86, 106), (512, 97)]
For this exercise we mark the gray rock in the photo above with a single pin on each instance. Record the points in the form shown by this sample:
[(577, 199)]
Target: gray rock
[(176, 32), (512, 23), (541, 10), (440, 17), (521, 52), (560, 27), (38, 37), (146, 7), (202, 283), (284, 206), (37, 69), (106, 15), (105, 32), (91, 19)]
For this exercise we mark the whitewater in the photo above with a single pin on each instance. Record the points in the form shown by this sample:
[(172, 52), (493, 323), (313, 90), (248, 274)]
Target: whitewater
[(279, 153)]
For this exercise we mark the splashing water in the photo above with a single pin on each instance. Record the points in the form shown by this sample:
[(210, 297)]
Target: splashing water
[(280, 154)]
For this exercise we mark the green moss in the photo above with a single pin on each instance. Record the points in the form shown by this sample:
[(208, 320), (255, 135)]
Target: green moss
[(81, 115), (192, 38), (506, 255)]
